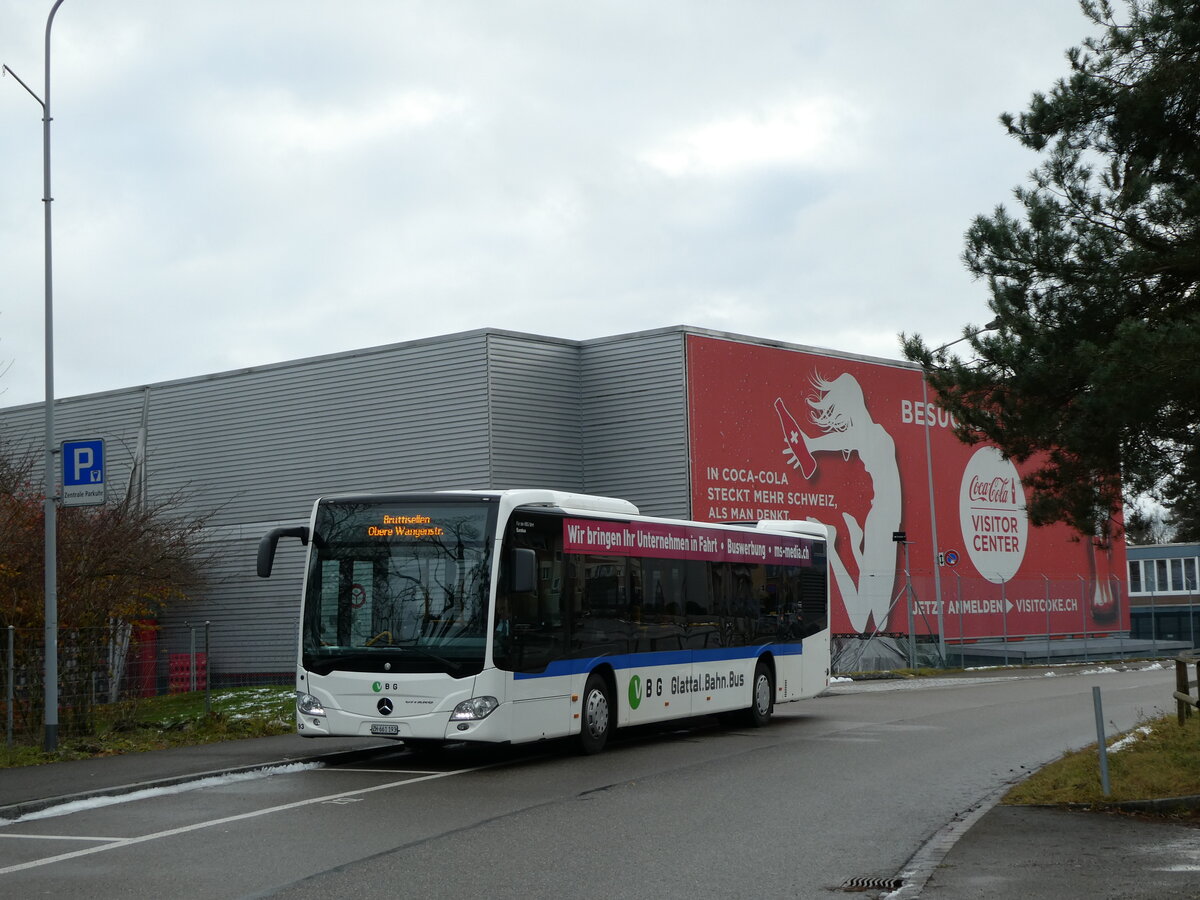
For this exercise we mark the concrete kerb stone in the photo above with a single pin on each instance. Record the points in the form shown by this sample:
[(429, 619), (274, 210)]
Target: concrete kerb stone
[(1160, 806), (337, 757), (921, 865)]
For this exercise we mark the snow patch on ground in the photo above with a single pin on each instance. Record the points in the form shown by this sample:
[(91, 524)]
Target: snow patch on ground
[(74, 806), (1130, 739)]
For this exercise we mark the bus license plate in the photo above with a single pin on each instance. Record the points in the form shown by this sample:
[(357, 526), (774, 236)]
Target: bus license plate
[(385, 729)]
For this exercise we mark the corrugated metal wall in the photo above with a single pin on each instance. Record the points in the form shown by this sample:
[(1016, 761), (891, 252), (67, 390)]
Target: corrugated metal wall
[(254, 448), (635, 435), (264, 443), (535, 399)]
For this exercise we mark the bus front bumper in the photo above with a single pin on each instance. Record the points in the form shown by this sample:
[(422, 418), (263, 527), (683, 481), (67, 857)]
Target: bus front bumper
[(434, 726)]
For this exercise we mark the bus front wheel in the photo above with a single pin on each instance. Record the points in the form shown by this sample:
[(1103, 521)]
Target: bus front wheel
[(597, 716), (761, 696)]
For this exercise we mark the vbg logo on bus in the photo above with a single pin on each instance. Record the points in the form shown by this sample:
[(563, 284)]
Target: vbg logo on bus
[(640, 690)]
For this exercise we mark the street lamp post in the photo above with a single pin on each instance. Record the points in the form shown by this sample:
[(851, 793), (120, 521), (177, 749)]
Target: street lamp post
[(50, 479), (937, 569)]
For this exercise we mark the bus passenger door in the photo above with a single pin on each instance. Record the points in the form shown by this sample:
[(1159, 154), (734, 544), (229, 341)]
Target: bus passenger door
[(530, 638)]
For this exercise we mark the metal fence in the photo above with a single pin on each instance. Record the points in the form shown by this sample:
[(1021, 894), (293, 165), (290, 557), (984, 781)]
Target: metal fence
[(1165, 616), (950, 619), (121, 663)]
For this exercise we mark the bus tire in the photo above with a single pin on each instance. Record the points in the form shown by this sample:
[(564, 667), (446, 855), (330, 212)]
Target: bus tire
[(762, 696), (597, 716)]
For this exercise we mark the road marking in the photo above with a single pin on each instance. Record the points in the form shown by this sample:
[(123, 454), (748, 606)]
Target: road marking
[(58, 837), (197, 826), (383, 771), (198, 782)]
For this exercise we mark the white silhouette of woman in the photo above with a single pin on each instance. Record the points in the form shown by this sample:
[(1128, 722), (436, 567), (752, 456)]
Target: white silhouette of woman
[(840, 411)]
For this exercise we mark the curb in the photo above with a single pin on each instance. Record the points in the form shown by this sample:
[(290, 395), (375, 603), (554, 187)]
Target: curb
[(1162, 805), (336, 757)]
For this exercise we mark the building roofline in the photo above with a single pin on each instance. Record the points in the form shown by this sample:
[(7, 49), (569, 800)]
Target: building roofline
[(299, 361), (484, 332)]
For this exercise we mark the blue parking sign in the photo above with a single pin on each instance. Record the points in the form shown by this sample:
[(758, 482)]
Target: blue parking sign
[(83, 473)]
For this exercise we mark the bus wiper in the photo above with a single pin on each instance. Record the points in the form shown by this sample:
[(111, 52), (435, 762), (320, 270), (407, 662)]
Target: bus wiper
[(323, 664), (449, 664)]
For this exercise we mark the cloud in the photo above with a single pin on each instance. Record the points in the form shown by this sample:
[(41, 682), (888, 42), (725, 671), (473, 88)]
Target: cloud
[(811, 133), (237, 184), (269, 126)]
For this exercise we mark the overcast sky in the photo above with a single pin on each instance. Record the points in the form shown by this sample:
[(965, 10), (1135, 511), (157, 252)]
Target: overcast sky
[(238, 183)]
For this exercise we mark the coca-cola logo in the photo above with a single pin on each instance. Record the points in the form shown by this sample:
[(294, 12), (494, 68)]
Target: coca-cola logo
[(998, 490), (991, 507)]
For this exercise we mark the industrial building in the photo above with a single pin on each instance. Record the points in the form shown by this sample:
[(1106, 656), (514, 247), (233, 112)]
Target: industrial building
[(929, 535)]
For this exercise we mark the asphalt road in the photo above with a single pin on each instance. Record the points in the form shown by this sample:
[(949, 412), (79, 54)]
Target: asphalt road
[(850, 785)]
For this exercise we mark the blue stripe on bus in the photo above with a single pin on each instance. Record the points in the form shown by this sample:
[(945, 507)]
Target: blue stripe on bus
[(659, 658)]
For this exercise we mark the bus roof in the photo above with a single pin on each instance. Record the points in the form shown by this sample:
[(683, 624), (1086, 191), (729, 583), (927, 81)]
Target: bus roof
[(570, 501)]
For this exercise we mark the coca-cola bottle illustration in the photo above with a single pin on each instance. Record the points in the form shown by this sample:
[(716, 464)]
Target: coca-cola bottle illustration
[(1100, 596), (796, 446)]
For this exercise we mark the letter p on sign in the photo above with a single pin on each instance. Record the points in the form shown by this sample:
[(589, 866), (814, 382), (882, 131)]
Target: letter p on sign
[(83, 462)]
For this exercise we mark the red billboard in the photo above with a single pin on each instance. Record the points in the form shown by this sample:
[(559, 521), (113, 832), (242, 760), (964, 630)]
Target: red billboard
[(859, 446)]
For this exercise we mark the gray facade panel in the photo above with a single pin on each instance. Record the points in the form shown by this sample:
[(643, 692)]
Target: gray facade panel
[(535, 404), (635, 433), (252, 623), (262, 445)]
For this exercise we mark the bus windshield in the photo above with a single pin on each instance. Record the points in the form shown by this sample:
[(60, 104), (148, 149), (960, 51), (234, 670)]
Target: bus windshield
[(398, 586)]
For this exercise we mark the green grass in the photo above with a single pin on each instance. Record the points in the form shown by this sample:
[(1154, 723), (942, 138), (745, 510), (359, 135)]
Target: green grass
[(1158, 760), (156, 723)]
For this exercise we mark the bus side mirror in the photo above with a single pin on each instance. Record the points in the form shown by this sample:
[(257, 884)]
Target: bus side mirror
[(266, 547), (523, 566)]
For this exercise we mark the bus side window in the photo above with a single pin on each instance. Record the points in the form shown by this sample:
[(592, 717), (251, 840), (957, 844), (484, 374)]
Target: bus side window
[(530, 625), (603, 624), (660, 626), (814, 597), (743, 606), (700, 620)]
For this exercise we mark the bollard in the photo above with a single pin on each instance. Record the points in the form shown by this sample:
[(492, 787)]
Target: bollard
[(1004, 619), (192, 659), (1181, 687), (1047, 580), (207, 692), (1102, 749), (11, 692)]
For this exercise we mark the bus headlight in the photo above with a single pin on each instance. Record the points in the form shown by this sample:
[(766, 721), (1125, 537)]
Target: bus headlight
[(309, 705), (475, 708)]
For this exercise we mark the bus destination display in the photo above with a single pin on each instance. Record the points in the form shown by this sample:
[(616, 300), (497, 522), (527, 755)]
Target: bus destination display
[(405, 526)]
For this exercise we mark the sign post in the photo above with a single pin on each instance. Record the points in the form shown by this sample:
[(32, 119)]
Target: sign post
[(83, 473), (901, 537)]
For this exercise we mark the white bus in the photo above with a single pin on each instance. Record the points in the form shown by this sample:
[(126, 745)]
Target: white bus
[(523, 615)]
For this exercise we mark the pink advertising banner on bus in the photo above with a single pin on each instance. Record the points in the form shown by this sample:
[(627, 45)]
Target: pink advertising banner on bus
[(684, 542), (859, 446)]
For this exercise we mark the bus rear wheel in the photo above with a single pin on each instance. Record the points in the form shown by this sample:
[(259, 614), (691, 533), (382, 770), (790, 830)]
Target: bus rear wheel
[(761, 696), (597, 717)]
